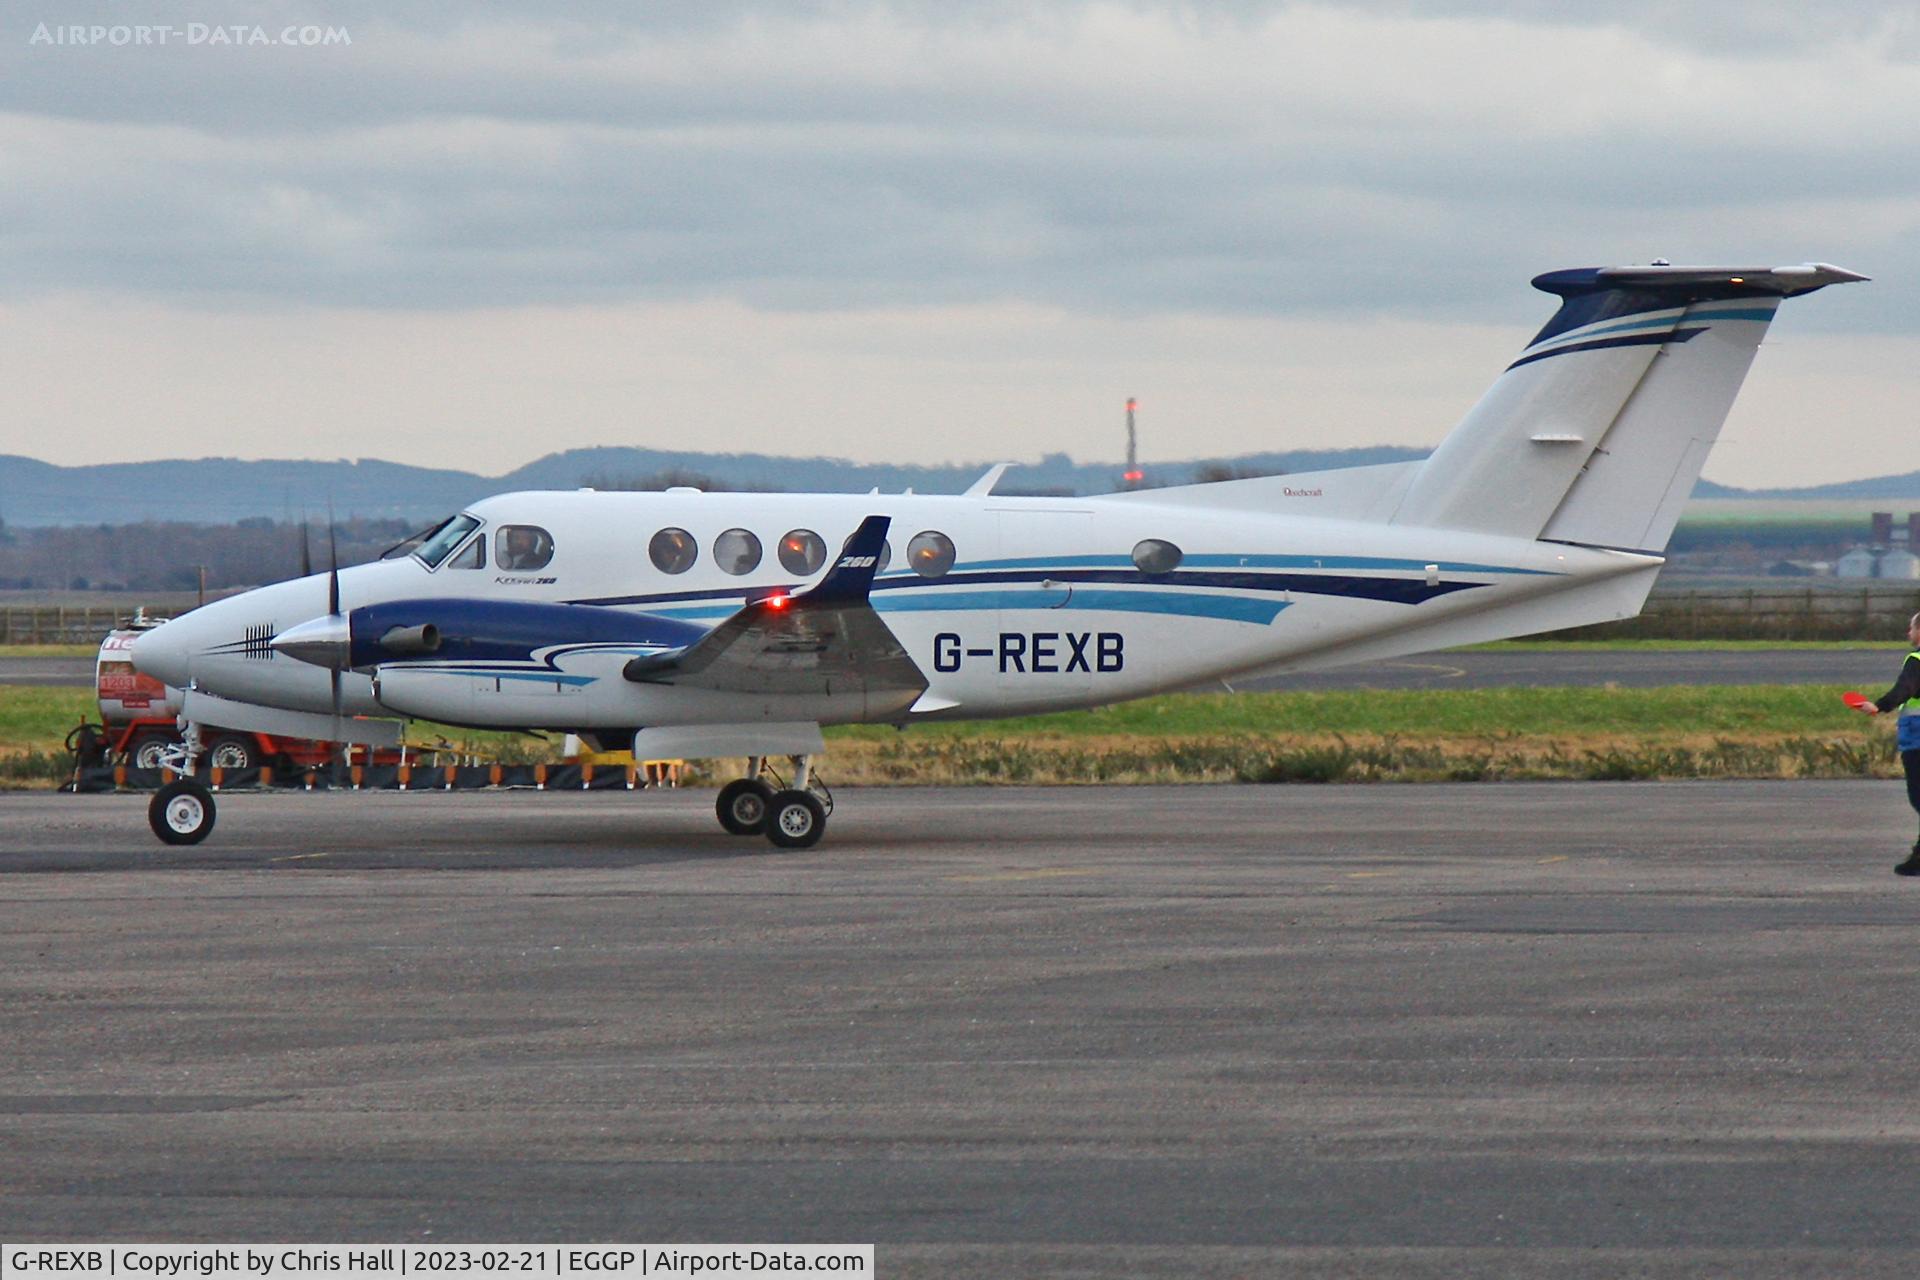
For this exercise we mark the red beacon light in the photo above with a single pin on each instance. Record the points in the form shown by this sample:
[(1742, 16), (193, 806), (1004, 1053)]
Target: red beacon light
[(778, 602)]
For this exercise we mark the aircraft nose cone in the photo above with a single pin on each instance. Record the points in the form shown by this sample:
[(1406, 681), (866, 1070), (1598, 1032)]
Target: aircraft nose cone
[(161, 654), (325, 642)]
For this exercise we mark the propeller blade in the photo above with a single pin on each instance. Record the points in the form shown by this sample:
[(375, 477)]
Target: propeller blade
[(306, 549), (333, 610), (333, 581)]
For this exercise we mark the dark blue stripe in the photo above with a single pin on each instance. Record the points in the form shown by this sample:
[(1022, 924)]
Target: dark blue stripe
[(1180, 603), (1349, 586), (1395, 590), (1588, 302), (1601, 344)]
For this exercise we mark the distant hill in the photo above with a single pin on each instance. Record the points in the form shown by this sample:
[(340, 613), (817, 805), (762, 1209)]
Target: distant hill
[(223, 490)]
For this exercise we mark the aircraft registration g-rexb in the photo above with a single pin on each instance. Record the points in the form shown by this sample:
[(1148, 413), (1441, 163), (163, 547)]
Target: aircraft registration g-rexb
[(691, 624)]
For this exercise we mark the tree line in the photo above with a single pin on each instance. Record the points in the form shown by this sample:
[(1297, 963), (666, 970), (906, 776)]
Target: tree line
[(170, 556)]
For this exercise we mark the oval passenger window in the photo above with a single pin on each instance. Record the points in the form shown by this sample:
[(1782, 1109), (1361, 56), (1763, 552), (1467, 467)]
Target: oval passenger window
[(673, 551), (736, 552), (1154, 555), (930, 554), (802, 551)]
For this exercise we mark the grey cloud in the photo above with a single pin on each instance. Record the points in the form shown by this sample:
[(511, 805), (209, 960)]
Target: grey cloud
[(452, 160)]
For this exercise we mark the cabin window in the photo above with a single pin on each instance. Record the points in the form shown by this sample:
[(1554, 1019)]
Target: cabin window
[(522, 548), (472, 556), (802, 552), (736, 552), (673, 550), (432, 547), (1156, 556), (930, 554)]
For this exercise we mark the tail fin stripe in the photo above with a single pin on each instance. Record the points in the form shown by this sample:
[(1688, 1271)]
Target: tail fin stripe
[(1602, 344)]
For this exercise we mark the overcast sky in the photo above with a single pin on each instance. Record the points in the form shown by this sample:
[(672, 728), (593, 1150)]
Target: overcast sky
[(473, 234)]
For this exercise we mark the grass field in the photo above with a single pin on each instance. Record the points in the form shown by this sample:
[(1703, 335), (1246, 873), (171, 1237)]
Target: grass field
[(1341, 735)]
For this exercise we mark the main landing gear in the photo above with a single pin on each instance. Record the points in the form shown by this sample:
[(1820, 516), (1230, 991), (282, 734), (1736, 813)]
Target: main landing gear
[(791, 817)]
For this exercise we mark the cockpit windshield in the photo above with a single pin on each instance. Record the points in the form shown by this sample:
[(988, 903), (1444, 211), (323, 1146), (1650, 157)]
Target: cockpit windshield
[(433, 545)]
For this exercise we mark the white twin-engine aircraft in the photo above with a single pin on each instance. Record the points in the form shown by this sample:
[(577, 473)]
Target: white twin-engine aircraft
[(700, 625)]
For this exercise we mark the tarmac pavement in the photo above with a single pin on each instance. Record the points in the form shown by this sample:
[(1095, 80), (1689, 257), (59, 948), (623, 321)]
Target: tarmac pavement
[(1568, 1029)]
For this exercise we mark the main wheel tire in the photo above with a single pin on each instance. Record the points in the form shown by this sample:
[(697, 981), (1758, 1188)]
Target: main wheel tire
[(148, 749), (233, 752), (181, 812), (795, 820), (743, 805)]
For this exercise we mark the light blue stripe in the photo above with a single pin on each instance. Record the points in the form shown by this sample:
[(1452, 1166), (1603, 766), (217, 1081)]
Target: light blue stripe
[(1662, 322), (697, 611), (1751, 313), (1230, 608), (1230, 561)]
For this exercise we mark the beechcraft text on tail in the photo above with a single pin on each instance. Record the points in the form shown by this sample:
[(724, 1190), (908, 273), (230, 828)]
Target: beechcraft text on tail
[(689, 624)]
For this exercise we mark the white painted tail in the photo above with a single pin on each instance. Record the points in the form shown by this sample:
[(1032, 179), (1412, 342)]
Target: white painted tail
[(1596, 434)]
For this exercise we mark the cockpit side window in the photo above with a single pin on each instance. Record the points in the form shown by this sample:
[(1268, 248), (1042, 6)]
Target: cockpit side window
[(472, 556), (522, 548), (435, 546)]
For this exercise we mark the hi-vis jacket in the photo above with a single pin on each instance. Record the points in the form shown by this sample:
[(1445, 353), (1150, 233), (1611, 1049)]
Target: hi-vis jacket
[(1905, 696)]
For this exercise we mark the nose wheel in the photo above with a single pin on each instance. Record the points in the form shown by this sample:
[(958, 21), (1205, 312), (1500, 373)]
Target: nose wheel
[(181, 812), (789, 817)]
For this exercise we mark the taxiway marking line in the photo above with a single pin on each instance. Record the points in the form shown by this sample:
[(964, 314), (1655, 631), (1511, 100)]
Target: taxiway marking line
[(296, 857)]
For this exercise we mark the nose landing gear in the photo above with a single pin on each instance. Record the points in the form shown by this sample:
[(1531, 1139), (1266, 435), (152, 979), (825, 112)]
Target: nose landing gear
[(181, 812), (790, 817)]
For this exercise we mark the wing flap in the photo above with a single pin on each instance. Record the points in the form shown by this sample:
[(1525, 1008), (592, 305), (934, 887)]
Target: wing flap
[(825, 641)]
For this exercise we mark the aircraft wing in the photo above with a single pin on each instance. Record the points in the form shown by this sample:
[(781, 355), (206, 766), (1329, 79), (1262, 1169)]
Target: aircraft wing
[(824, 641)]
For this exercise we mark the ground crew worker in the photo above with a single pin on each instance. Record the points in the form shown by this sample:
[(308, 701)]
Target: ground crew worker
[(1904, 697)]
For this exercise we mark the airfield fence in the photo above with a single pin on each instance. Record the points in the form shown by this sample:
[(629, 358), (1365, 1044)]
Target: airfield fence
[(1873, 611), (56, 624)]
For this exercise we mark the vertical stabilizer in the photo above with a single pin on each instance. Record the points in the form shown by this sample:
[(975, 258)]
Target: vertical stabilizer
[(1598, 431)]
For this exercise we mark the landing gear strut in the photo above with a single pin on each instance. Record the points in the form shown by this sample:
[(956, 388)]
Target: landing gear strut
[(790, 817)]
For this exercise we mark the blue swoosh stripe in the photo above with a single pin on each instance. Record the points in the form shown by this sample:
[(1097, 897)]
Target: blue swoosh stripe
[(1231, 561), (1603, 344), (1230, 608), (1233, 608), (1668, 321)]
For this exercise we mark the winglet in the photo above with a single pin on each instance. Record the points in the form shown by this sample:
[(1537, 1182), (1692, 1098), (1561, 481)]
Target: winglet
[(851, 577), (984, 485)]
